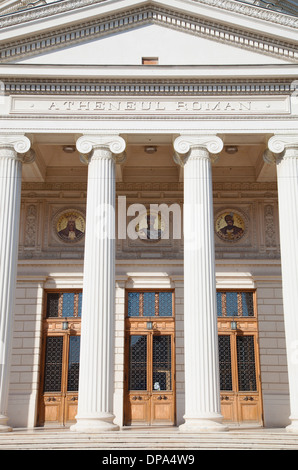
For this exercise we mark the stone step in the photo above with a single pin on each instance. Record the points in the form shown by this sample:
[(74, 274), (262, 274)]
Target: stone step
[(148, 440)]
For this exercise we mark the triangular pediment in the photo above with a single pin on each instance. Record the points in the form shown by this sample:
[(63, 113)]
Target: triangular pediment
[(153, 44), (122, 32)]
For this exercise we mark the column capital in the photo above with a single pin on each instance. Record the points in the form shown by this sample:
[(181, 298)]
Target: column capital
[(20, 145), (279, 145), (210, 144), (112, 145)]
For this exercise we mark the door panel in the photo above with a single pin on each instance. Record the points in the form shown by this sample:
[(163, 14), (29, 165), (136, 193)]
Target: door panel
[(61, 375), (150, 398), (61, 353), (240, 384), (150, 385)]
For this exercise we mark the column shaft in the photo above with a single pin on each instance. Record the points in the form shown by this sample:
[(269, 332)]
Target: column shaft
[(287, 178), (202, 395), (10, 197), (96, 381), (283, 150)]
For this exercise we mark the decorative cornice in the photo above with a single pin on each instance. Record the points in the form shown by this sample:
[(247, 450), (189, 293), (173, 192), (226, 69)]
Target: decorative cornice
[(102, 27), (243, 9), (143, 87), (30, 189)]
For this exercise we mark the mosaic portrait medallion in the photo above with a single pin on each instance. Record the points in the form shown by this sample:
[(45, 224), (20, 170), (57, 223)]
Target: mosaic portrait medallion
[(229, 226), (70, 226), (150, 227)]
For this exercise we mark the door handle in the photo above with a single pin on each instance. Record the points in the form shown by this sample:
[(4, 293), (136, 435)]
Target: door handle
[(136, 398), (248, 399), (162, 397)]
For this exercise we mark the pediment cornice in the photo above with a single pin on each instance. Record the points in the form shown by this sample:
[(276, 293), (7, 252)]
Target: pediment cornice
[(150, 13), (37, 10)]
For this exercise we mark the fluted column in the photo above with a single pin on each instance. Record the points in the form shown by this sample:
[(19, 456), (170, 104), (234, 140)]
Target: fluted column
[(96, 381), (14, 150), (283, 151), (202, 394)]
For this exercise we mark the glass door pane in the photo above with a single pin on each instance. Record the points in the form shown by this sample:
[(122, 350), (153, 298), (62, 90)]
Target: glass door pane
[(73, 364), (225, 363), (53, 364), (138, 362), (162, 363), (246, 364)]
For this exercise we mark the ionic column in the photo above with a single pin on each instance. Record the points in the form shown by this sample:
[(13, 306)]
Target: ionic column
[(202, 394), (14, 150), (283, 151), (96, 381)]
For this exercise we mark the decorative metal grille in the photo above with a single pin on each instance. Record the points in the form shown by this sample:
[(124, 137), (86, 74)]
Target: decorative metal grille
[(52, 305), (247, 304), (150, 304), (246, 364), (68, 304), (165, 304), (73, 364), (138, 362), (53, 364), (232, 304), (235, 304), (133, 304), (64, 304), (162, 360), (225, 364), (80, 298)]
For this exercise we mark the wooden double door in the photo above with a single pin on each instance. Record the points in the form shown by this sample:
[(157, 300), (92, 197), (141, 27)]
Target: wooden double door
[(240, 381), (59, 381), (150, 362)]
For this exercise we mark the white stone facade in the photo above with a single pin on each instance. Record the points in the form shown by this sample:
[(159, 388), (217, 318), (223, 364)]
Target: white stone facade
[(209, 128)]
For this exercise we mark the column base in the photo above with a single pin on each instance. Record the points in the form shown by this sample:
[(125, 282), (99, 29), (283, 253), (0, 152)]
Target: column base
[(95, 424), (293, 427), (198, 425), (3, 424)]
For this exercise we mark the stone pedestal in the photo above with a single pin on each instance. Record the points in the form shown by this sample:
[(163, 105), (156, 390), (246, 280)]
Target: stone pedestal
[(96, 381), (202, 394), (13, 152)]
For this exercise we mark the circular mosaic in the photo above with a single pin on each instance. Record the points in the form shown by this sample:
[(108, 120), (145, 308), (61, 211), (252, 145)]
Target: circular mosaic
[(229, 226), (150, 227), (70, 226)]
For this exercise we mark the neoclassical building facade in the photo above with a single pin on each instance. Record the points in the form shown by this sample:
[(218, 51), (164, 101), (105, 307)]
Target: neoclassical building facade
[(149, 238)]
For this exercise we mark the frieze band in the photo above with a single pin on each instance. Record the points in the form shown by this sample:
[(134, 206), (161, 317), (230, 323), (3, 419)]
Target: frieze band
[(145, 106)]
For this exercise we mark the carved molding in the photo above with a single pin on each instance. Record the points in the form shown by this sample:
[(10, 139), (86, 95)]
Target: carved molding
[(16, 146), (126, 20), (277, 146), (278, 143), (38, 187), (184, 146), (240, 8), (110, 146), (149, 87)]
